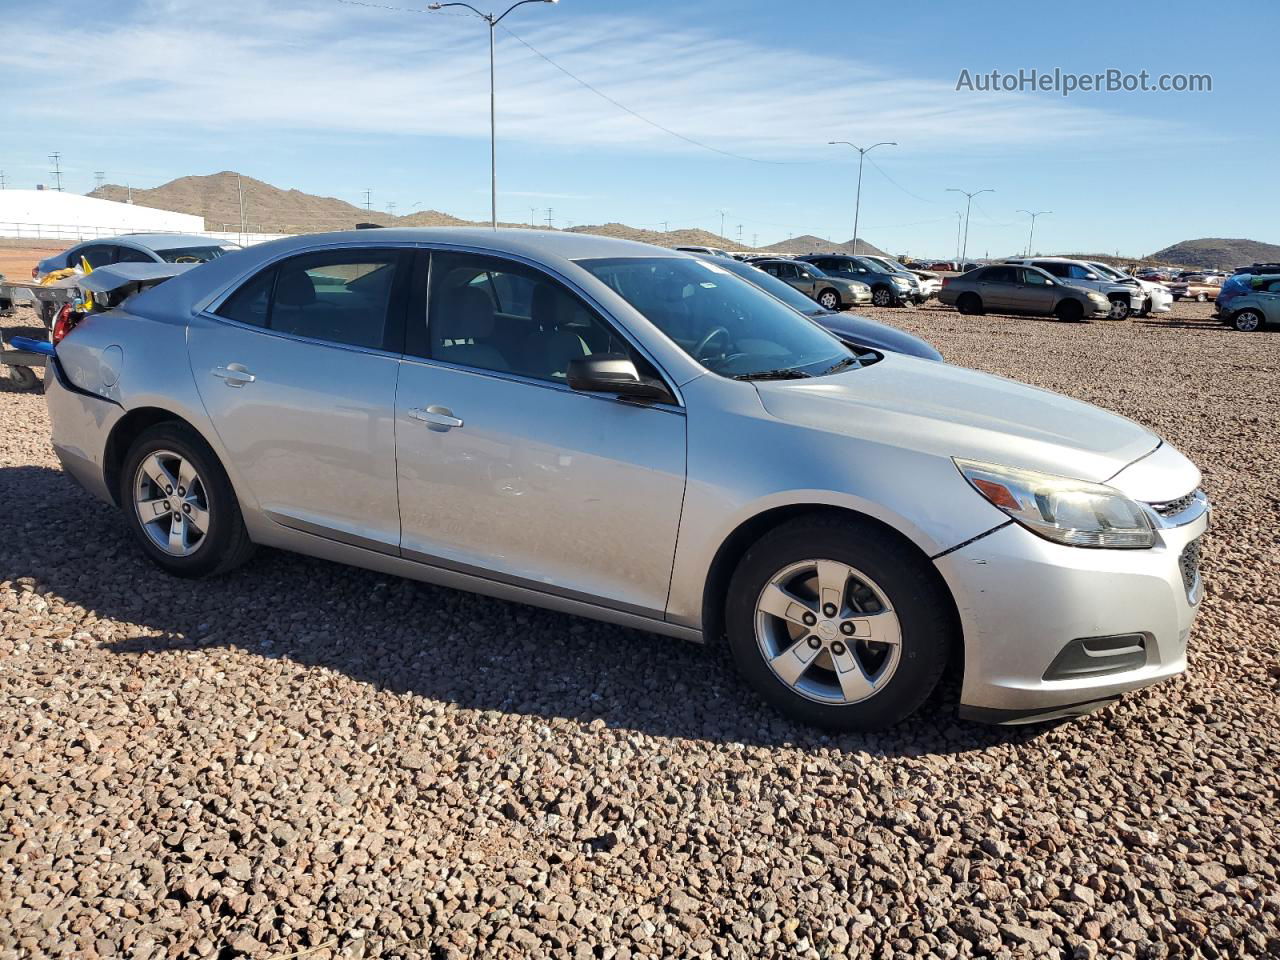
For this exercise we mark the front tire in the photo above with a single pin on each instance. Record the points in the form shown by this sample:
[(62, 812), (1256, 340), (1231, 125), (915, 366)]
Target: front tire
[(1070, 311), (1201, 298), (180, 505), (1247, 321), (829, 300), (883, 297), (839, 624), (1119, 310)]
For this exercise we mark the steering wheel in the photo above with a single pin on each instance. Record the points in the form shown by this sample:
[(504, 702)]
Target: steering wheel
[(708, 339)]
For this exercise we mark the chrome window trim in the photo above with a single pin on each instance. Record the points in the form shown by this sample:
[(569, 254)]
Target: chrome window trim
[(536, 382)]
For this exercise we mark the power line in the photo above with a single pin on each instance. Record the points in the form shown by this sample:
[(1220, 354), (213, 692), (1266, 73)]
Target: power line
[(653, 123), (898, 185)]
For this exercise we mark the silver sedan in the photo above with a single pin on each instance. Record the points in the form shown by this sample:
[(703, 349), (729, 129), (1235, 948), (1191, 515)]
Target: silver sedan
[(627, 433)]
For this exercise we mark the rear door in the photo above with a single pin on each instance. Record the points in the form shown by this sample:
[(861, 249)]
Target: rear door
[(996, 287), (297, 371)]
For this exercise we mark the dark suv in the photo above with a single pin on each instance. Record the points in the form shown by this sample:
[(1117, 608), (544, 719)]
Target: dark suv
[(889, 287)]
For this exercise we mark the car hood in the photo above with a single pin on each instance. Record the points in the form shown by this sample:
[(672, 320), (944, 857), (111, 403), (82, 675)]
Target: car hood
[(950, 411)]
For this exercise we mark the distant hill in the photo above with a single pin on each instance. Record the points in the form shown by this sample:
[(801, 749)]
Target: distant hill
[(1217, 253), (269, 209), (808, 243)]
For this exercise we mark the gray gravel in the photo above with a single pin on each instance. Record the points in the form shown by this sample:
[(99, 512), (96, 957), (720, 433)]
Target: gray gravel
[(305, 755)]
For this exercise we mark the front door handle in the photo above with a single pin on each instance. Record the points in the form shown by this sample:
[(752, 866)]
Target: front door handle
[(235, 374), (436, 417)]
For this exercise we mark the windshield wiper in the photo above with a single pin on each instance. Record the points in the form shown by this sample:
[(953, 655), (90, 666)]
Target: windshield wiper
[(782, 373), (840, 365)]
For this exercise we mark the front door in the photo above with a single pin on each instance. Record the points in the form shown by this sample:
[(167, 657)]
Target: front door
[(1035, 295), (507, 473), (299, 381)]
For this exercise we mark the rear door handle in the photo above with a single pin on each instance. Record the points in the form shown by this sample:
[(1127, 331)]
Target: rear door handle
[(235, 374), (436, 417)]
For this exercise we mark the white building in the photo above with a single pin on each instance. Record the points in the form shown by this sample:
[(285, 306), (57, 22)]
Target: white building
[(53, 215)]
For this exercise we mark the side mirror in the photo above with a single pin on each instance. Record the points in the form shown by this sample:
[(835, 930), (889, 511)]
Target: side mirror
[(615, 374), (1092, 276)]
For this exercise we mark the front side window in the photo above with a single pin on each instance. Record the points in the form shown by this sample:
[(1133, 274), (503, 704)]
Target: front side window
[(1077, 272), (720, 320), (1034, 277), (502, 316), (341, 297), (130, 255)]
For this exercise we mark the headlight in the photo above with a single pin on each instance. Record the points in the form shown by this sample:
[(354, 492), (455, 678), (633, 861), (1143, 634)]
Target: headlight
[(1099, 298), (901, 282), (1072, 512)]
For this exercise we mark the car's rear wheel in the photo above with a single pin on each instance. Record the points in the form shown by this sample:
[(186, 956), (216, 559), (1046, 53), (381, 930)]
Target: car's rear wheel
[(839, 624), (969, 304), (180, 505), (829, 299), (1201, 298), (1070, 311), (883, 297), (1247, 321)]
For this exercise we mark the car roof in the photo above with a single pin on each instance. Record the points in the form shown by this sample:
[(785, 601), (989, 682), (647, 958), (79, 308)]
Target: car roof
[(161, 241), (561, 244)]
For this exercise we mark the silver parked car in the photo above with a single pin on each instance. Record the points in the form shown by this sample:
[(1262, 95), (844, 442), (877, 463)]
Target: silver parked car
[(1017, 289), (619, 431), (1125, 297)]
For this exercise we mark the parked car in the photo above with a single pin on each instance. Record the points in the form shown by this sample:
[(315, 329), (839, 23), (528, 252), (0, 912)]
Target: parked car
[(833, 293), (133, 248), (889, 287), (1258, 268), (930, 282), (846, 326), (1022, 289), (1248, 302), (1125, 298), (1197, 287), (1156, 296), (715, 251), (615, 430)]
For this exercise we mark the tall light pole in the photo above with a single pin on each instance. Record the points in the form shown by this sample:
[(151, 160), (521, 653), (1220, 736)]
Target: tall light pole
[(493, 22), (862, 153), (1038, 213), (964, 251), (959, 218)]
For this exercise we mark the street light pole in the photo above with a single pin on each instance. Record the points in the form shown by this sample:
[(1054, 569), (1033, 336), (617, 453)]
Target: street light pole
[(1038, 213), (964, 251), (493, 22), (862, 153)]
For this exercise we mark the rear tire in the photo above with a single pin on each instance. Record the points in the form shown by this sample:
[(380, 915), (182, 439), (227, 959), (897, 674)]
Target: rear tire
[(1247, 321), (1069, 311), (885, 590), (970, 304), (1201, 298), (224, 542), (23, 378)]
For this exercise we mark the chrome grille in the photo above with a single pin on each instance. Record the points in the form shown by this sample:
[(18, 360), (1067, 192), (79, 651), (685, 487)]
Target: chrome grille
[(1189, 562), (1171, 508)]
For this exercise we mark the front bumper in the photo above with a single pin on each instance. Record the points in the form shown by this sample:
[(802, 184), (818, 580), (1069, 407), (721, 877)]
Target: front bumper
[(80, 424), (1023, 601)]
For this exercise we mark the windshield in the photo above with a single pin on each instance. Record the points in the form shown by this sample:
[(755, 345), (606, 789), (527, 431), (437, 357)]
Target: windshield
[(1106, 271), (774, 287), (192, 254), (728, 325)]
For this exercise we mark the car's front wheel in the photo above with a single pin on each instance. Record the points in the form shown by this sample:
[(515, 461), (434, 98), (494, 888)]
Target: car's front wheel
[(1070, 311), (1119, 309), (829, 300), (180, 505), (838, 624), (1247, 321), (883, 297)]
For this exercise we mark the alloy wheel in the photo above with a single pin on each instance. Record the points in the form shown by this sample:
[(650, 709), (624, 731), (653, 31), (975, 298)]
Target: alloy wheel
[(881, 298), (829, 300), (171, 502), (1247, 321), (828, 632)]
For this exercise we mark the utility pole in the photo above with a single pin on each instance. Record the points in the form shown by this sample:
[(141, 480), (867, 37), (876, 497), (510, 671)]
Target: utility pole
[(666, 226), (1, 179), (56, 173), (533, 217), (755, 241), (862, 155), (1038, 213), (368, 199), (739, 234), (964, 250), (99, 177), (548, 218), (129, 187), (391, 208), (722, 214), (239, 193), (959, 219)]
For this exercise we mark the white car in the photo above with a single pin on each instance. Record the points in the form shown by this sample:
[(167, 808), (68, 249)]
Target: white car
[(1159, 299)]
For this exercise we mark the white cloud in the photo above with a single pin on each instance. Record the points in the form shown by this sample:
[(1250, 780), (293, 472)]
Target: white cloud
[(329, 68)]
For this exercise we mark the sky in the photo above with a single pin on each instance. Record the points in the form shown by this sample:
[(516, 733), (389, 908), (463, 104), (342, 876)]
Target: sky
[(739, 99)]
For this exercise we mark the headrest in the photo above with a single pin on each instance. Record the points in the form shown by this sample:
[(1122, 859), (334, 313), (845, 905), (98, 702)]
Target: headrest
[(294, 288), (467, 314)]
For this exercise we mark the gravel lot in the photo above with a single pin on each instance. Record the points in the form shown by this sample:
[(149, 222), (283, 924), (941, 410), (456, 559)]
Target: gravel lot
[(303, 755)]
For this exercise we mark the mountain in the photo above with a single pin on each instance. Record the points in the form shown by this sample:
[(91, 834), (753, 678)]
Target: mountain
[(1218, 253), (811, 244), (270, 209)]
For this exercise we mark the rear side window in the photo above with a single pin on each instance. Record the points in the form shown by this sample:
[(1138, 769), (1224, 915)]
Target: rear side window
[(999, 275), (1060, 270), (98, 255), (341, 297)]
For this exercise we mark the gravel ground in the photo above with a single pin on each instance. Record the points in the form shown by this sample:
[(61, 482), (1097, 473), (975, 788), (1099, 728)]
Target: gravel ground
[(309, 757)]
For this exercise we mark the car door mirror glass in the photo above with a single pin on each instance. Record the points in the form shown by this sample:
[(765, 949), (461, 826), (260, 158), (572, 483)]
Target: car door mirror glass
[(616, 374)]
